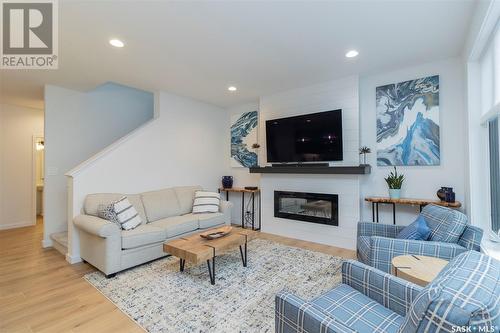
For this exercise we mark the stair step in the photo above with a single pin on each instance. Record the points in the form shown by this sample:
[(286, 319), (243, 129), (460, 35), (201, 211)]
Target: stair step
[(60, 241)]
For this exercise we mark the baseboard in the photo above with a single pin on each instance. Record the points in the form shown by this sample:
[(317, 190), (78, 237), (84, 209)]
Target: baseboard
[(73, 259), (16, 225), (47, 243)]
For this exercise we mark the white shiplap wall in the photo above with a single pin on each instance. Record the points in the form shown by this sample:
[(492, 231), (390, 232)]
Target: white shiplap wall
[(339, 94)]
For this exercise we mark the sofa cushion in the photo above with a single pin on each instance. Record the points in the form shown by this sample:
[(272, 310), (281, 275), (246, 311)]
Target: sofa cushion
[(177, 225), (465, 293), (357, 311), (185, 195), (142, 235), (208, 220), (160, 204), (447, 225), (93, 201)]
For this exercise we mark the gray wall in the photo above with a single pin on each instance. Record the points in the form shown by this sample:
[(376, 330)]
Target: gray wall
[(79, 125)]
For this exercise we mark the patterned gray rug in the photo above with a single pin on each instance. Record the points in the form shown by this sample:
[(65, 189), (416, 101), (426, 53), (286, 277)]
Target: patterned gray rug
[(162, 299)]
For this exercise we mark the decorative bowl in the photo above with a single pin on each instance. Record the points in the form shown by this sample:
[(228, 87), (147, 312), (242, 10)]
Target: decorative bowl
[(217, 233)]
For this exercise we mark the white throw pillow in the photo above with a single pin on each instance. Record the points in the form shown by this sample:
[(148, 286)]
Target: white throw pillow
[(206, 202), (126, 214)]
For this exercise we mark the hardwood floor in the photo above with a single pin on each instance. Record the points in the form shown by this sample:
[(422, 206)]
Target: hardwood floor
[(41, 292)]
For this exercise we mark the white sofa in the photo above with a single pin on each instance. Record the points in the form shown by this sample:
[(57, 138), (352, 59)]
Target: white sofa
[(166, 214)]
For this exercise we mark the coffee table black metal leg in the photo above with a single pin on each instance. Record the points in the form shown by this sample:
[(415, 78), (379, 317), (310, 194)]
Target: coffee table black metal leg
[(211, 270), (244, 255), (182, 262)]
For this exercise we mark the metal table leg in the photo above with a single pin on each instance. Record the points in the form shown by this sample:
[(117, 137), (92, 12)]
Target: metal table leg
[(253, 210), (376, 205), (394, 213), (260, 211), (182, 262), (211, 270), (244, 255), (243, 210)]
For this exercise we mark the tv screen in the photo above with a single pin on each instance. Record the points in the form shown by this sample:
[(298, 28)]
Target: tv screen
[(307, 138)]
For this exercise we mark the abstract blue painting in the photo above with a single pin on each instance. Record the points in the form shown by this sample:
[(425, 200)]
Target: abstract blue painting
[(243, 136), (408, 123)]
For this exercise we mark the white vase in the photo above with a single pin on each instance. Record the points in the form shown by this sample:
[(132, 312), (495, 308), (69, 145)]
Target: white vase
[(395, 193)]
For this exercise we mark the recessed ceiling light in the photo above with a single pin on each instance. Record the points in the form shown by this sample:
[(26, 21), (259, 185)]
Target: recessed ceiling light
[(351, 54), (232, 88), (116, 43)]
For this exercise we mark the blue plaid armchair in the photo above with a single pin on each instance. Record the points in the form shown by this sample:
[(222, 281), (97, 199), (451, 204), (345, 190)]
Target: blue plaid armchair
[(450, 235), (465, 295)]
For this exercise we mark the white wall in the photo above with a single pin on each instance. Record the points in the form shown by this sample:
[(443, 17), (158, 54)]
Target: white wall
[(421, 181), (242, 177), (185, 145), (338, 94), (18, 125), (78, 125), (360, 129)]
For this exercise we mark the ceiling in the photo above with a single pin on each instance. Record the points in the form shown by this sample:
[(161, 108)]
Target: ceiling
[(198, 49)]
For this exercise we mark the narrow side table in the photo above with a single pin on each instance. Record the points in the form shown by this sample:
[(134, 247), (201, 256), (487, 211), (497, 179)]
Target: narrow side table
[(417, 269), (405, 201), (252, 196)]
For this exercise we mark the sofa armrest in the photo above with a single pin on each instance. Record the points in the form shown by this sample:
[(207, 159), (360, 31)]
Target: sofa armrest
[(383, 249), (390, 291), (379, 229), (292, 314), (96, 226)]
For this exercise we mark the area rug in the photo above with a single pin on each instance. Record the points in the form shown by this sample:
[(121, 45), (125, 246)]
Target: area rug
[(162, 299)]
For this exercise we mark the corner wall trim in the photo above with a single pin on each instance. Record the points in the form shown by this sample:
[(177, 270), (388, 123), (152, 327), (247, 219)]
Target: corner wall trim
[(73, 259), (47, 243)]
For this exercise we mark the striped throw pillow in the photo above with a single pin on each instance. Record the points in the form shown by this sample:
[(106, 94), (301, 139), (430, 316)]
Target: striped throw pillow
[(126, 214), (206, 202)]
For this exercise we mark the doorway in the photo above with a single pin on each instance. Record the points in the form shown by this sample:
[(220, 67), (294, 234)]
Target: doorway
[(38, 177)]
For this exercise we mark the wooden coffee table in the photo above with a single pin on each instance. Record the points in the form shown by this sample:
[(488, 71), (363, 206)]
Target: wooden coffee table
[(417, 269), (195, 249)]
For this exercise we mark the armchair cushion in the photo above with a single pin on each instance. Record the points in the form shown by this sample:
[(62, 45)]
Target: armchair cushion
[(465, 293), (447, 225), (418, 230), (388, 290), (357, 311)]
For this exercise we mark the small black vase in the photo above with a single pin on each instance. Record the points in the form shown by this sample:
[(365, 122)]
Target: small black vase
[(227, 181), (446, 194)]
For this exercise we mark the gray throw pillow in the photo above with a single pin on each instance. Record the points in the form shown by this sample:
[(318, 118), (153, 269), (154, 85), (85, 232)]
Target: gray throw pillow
[(107, 212)]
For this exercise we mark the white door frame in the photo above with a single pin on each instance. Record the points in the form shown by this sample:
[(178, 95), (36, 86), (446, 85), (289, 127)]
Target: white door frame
[(33, 176)]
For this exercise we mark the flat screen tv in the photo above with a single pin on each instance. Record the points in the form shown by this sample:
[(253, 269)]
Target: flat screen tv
[(315, 137)]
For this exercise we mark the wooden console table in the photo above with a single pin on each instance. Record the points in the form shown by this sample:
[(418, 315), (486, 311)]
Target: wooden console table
[(405, 201), (252, 196)]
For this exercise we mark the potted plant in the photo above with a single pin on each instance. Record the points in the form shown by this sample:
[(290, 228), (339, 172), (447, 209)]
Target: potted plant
[(363, 151), (395, 181)]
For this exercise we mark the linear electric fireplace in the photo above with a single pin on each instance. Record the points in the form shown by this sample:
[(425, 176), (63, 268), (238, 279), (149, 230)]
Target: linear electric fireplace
[(311, 207)]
